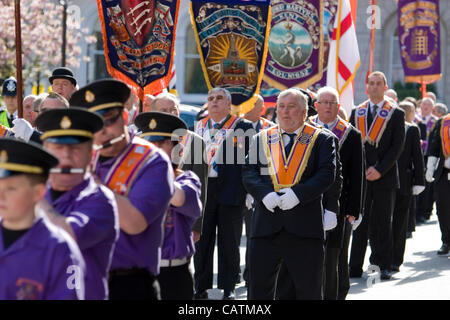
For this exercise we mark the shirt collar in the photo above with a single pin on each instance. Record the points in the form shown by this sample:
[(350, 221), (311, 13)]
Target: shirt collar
[(330, 125), (15, 113), (213, 122), (296, 131), (379, 104)]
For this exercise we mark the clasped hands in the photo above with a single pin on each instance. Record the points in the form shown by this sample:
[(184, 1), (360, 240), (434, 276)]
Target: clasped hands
[(285, 202)]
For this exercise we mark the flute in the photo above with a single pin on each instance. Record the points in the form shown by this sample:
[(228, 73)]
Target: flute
[(109, 143), (67, 170)]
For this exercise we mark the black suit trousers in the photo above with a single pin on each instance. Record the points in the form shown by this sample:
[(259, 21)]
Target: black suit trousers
[(376, 225), (442, 187), (344, 280), (228, 222), (400, 227), (303, 258)]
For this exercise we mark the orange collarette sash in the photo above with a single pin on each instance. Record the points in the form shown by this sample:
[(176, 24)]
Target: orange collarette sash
[(186, 139), (445, 136), (266, 124), (215, 137), (375, 132), (287, 171), (122, 173)]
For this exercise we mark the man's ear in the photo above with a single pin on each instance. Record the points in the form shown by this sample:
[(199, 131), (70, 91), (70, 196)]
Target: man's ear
[(39, 192)]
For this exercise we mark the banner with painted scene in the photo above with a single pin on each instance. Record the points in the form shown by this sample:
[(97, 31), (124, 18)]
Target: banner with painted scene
[(296, 46), (139, 41), (419, 39), (232, 42)]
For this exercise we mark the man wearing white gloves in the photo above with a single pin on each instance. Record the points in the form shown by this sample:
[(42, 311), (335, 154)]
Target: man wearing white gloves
[(288, 168), (438, 170), (412, 182)]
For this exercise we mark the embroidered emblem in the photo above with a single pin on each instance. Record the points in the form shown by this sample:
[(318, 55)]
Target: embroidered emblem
[(152, 124), (3, 156), (89, 96), (65, 123)]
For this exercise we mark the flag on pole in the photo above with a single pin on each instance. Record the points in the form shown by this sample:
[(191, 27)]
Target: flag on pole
[(343, 59)]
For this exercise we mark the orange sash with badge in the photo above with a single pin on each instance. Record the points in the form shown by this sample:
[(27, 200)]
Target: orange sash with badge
[(373, 134), (445, 136), (122, 173), (216, 136), (287, 171)]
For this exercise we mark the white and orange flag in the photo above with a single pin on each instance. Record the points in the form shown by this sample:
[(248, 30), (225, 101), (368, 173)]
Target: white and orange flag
[(343, 60)]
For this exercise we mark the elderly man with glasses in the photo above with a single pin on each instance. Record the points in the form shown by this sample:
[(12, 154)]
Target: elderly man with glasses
[(226, 138)]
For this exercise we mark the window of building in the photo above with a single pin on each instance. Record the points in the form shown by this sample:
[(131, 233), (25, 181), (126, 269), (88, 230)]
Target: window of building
[(396, 73), (194, 81), (97, 66)]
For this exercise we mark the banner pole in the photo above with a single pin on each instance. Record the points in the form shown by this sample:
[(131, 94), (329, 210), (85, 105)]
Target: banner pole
[(18, 58)]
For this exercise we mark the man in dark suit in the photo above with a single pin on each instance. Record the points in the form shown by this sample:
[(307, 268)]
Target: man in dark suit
[(337, 284), (288, 168), (382, 127), (330, 201), (194, 156), (438, 170), (258, 123), (412, 182), (227, 141), (426, 199)]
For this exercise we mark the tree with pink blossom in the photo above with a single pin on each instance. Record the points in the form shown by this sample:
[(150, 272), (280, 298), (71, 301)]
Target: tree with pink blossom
[(41, 22)]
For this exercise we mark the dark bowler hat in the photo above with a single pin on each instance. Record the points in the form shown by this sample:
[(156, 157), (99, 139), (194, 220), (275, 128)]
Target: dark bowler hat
[(101, 95), (158, 126), (18, 157), (62, 73), (311, 109), (68, 126), (9, 87)]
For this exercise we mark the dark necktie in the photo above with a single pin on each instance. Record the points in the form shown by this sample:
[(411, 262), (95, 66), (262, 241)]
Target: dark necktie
[(325, 126), (10, 120), (371, 115), (288, 147), (216, 125)]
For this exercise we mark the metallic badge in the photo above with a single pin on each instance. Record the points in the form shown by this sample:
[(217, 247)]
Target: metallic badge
[(89, 96), (11, 86), (65, 123), (3, 156), (152, 124), (361, 112), (304, 138)]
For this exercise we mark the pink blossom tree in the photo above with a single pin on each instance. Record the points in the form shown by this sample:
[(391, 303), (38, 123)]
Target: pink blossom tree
[(41, 22)]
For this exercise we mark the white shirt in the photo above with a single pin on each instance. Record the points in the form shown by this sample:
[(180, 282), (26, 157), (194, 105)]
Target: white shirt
[(379, 104), (329, 125), (286, 138)]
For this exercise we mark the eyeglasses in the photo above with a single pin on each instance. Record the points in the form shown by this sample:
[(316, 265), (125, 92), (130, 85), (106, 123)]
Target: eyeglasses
[(330, 103), (218, 97), (110, 121)]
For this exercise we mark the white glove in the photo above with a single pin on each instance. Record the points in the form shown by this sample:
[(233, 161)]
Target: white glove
[(249, 201), (417, 190), (357, 222), (431, 166), (329, 220), (288, 200), (22, 129), (271, 200)]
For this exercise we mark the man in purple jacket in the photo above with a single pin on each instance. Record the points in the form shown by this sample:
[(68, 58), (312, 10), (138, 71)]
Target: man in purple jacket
[(141, 176), (185, 207), (38, 261), (86, 209)]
